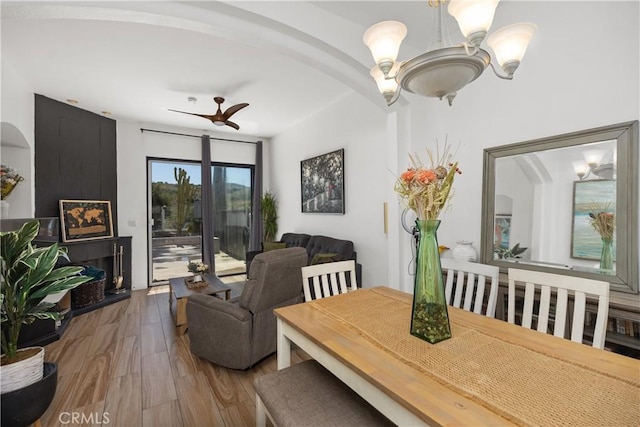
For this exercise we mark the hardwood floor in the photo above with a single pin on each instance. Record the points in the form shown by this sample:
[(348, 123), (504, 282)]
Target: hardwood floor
[(124, 365)]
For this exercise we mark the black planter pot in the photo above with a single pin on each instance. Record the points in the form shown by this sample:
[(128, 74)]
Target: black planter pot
[(22, 407)]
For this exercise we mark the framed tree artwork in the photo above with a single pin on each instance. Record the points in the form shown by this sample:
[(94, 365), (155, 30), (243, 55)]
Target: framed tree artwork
[(322, 183)]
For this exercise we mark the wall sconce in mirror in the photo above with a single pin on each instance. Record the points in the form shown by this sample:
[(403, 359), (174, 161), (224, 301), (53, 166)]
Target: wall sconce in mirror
[(542, 193), (597, 164)]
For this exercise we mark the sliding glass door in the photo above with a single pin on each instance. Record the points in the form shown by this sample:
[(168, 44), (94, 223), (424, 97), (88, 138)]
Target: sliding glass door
[(176, 218), (232, 190), (175, 226)]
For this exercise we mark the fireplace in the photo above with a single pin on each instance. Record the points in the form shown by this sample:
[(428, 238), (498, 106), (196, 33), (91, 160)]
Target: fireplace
[(102, 253), (98, 253)]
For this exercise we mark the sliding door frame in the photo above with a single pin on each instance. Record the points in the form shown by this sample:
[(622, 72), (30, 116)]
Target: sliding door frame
[(252, 170), (149, 208), (204, 187)]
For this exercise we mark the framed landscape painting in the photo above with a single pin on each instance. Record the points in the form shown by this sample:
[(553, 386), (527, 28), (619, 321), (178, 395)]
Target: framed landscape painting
[(85, 220), (590, 197), (322, 183)]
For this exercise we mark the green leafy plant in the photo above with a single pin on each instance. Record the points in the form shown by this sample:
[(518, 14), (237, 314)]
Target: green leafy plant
[(506, 253), (269, 209), (28, 275)]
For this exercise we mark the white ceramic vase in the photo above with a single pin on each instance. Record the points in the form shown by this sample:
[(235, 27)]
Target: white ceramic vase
[(197, 278), (23, 373), (4, 209), (464, 251)]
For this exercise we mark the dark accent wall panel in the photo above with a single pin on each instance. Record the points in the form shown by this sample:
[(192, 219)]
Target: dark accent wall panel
[(75, 157)]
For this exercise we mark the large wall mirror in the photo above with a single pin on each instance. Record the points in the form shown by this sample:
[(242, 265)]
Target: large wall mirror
[(571, 200)]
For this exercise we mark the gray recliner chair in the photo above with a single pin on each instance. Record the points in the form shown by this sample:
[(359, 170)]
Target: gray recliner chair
[(237, 334)]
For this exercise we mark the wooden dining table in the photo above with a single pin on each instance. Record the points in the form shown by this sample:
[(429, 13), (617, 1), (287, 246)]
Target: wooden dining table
[(489, 373)]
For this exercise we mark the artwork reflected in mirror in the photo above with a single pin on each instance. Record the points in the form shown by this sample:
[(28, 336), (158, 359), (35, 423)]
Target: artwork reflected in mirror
[(534, 204), (502, 234), (502, 231), (566, 204), (594, 207)]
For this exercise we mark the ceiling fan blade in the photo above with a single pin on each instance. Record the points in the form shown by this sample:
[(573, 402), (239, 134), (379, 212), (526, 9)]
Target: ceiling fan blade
[(206, 116), (232, 124), (234, 109), (219, 117)]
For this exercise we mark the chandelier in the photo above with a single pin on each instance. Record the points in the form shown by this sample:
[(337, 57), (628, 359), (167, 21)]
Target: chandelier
[(443, 71)]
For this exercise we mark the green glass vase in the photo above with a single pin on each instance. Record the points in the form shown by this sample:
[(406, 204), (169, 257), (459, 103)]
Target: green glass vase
[(429, 317), (606, 258)]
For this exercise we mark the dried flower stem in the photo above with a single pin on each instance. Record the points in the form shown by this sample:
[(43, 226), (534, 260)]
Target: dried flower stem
[(603, 223), (427, 190)]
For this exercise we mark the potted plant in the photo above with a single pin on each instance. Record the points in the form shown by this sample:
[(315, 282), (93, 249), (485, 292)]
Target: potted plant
[(506, 253), (269, 208), (27, 276)]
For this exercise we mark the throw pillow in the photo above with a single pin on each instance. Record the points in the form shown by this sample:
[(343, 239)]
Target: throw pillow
[(271, 246), (324, 258)]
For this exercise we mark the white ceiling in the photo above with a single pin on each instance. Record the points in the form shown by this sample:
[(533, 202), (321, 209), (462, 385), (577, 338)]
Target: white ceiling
[(136, 60)]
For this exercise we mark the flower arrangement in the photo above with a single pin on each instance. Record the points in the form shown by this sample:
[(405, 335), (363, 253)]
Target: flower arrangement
[(9, 178), (426, 189), (604, 223), (197, 267)]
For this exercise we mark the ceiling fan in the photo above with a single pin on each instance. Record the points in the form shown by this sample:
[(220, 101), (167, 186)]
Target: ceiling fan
[(220, 118)]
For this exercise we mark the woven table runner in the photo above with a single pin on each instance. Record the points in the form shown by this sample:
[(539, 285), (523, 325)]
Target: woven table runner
[(522, 385)]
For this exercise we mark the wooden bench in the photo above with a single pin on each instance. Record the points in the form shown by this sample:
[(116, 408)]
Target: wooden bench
[(306, 394)]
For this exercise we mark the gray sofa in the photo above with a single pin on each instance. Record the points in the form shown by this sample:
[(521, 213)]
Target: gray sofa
[(237, 334), (314, 245)]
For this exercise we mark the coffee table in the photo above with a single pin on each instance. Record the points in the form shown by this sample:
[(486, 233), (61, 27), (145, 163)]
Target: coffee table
[(179, 292)]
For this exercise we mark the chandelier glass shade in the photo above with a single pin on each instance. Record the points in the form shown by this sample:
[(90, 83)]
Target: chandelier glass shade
[(384, 39), (442, 72), (474, 18)]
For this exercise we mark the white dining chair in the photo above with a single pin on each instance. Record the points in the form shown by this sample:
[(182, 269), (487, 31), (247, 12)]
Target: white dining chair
[(561, 285), (470, 282), (328, 279)]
